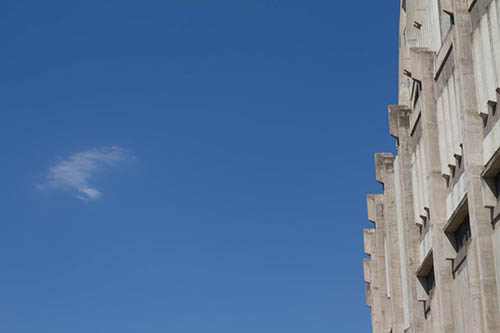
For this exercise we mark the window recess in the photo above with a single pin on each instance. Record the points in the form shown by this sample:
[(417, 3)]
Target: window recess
[(491, 186), (427, 283), (458, 234)]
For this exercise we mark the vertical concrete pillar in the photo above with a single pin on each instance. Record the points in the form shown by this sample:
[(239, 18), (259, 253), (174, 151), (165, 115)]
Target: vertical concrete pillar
[(371, 265), (381, 302), (384, 165), (482, 275), (399, 121), (437, 189)]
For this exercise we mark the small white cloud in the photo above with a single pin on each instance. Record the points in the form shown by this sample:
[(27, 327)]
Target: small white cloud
[(75, 172)]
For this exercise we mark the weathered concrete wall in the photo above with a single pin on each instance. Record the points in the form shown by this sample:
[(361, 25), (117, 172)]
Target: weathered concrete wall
[(496, 242), (435, 248)]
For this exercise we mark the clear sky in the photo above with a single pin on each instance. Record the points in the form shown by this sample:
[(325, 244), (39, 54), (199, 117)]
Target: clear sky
[(190, 166)]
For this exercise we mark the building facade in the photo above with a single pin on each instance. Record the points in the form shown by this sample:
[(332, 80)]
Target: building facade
[(434, 251)]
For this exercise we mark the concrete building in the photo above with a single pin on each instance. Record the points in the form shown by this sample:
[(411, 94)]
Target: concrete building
[(434, 251)]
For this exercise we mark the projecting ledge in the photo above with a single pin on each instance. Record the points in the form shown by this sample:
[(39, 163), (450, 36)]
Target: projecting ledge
[(369, 241), (372, 201), (399, 120), (383, 162)]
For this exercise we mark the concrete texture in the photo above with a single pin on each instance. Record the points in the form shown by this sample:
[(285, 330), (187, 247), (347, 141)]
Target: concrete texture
[(420, 277)]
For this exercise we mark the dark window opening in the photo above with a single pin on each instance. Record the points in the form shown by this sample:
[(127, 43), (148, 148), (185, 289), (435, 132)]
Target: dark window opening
[(463, 234), (430, 281), (497, 185)]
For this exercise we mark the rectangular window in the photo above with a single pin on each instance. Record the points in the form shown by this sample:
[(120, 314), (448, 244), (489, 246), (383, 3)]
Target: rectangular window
[(463, 234)]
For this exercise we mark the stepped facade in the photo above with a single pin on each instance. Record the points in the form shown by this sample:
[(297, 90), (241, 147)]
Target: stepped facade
[(434, 250)]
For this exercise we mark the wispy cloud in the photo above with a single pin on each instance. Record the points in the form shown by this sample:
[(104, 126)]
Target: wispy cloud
[(74, 172)]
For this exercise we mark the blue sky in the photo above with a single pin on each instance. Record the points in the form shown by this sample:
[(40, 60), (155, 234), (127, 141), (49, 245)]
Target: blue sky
[(190, 166)]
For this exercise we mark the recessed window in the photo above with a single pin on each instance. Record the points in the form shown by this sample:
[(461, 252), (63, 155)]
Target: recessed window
[(497, 185), (430, 281), (462, 234)]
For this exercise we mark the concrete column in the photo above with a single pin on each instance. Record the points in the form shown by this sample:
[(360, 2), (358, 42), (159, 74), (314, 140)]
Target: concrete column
[(443, 316), (482, 275), (384, 164), (382, 321), (399, 120)]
